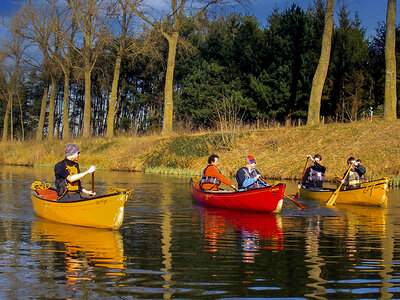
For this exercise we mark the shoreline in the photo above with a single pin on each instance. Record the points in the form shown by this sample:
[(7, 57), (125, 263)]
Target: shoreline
[(280, 152)]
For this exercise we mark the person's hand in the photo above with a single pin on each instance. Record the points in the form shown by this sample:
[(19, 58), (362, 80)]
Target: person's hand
[(310, 157), (89, 193), (257, 177), (91, 169), (299, 186), (234, 187)]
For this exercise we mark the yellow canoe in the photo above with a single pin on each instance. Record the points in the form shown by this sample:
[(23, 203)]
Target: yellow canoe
[(372, 193), (105, 211)]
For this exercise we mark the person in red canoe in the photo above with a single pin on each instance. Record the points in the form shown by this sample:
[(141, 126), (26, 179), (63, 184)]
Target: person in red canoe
[(212, 176), (248, 177), (68, 176)]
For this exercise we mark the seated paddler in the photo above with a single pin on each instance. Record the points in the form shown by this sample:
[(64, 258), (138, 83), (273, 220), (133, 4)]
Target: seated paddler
[(314, 176), (212, 176), (353, 179), (248, 177), (68, 176)]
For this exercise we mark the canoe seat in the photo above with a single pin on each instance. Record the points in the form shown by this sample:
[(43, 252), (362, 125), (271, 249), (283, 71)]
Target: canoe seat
[(48, 194)]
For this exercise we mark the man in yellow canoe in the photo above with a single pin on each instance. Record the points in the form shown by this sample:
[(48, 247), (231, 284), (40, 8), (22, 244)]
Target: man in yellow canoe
[(356, 171), (314, 176), (68, 176)]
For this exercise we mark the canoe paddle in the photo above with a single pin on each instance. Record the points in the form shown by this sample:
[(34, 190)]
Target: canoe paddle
[(332, 198), (290, 198), (301, 180), (93, 182)]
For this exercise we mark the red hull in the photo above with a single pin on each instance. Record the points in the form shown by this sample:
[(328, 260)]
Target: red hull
[(268, 199)]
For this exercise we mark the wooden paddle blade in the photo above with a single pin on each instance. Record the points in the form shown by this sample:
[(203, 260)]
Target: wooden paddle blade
[(332, 198), (295, 202), (297, 195)]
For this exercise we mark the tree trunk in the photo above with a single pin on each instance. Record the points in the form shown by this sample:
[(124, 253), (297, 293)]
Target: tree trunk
[(169, 82), (390, 58), (6, 120), (51, 108), (42, 116), (87, 109), (65, 130), (314, 106), (113, 98)]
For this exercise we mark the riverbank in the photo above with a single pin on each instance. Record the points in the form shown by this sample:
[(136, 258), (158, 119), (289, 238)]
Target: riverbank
[(280, 151)]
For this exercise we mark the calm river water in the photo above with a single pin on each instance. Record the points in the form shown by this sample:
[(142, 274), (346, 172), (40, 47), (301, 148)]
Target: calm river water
[(169, 248)]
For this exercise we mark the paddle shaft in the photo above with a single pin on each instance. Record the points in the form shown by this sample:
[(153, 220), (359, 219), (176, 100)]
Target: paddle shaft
[(332, 198), (290, 198), (93, 182), (301, 180)]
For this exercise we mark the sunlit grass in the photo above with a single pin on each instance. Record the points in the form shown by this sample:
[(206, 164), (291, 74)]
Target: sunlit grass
[(280, 151)]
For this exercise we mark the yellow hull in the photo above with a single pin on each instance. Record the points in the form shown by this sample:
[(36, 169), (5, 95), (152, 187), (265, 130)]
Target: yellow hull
[(373, 193), (101, 212)]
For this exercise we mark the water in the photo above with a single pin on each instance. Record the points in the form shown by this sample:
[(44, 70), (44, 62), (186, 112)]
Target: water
[(169, 248)]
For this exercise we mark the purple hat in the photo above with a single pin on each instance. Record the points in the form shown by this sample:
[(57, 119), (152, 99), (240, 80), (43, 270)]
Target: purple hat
[(250, 159), (71, 149)]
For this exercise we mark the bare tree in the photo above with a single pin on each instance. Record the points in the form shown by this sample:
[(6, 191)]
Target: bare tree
[(122, 45), (10, 70), (318, 82), (92, 17), (37, 25), (390, 58), (169, 26), (64, 31)]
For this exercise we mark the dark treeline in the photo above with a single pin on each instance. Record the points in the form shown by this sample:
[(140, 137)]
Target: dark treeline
[(229, 71)]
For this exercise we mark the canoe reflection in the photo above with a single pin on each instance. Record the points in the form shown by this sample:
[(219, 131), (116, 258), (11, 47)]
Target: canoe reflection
[(85, 248), (254, 231)]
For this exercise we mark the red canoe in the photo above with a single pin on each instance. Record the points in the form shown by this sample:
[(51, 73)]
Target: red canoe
[(269, 199)]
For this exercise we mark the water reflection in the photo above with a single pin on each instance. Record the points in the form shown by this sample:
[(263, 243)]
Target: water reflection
[(169, 248), (166, 232), (254, 231), (83, 249)]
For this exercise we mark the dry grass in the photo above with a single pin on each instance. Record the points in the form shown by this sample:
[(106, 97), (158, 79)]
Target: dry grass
[(280, 151)]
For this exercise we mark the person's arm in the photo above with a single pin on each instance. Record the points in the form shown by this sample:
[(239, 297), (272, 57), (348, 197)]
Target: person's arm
[(361, 170), (305, 177), (213, 172), (88, 193), (79, 176), (248, 181), (319, 168)]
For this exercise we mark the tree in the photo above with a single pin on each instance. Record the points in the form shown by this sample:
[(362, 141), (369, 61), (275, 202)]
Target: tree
[(390, 59), (92, 18), (126, 44), (322, 68), (11, 62), (181, 13), (37, 25), (64, 31)]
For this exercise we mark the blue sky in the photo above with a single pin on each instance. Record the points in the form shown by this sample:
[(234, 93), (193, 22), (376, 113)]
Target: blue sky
[(370, 11)]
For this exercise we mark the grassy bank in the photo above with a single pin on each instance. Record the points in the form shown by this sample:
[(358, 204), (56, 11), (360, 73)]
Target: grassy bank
[(280, 152)]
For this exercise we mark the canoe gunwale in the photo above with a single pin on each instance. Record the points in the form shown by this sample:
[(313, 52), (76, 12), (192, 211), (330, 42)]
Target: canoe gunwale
[(371, 193), (35, 193)]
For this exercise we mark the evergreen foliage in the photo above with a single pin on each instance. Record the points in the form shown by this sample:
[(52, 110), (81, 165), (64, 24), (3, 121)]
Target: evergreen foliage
[(267, 71)]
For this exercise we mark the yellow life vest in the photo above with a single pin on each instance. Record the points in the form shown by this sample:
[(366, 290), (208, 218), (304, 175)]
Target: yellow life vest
[(72, 186), (354, 178)]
